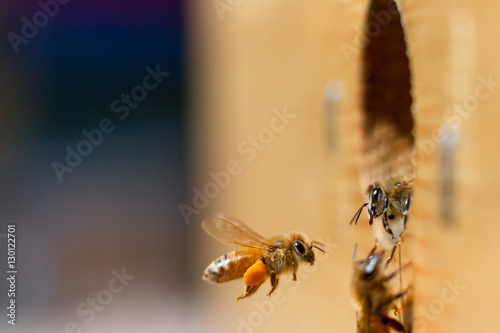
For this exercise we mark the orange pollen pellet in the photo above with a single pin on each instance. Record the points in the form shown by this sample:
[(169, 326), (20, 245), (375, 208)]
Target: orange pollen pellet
[(255, 274)]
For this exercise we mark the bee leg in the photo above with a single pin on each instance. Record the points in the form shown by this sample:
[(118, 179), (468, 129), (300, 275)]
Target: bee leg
[(396, 309), (294, 278), (393, 323), (249, 290), (274, 283), (372, 251), (384, 218), (392, 254), (386, 225), (391, 299), (396, 271)]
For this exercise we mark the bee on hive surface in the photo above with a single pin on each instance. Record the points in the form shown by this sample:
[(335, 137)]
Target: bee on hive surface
[(389, 199), (256, 257), (371, 293)]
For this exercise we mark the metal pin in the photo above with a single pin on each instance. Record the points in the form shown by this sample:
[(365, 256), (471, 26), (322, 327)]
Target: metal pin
[(448, 149), (332, 94)]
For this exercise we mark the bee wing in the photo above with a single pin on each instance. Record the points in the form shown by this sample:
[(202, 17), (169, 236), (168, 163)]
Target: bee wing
[(233, 232), (404, 182)]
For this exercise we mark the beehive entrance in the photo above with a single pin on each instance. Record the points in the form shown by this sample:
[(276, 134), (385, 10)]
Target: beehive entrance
[(386, 79)]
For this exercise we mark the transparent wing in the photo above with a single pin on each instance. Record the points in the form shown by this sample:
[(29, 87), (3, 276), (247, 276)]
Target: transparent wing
[(232, 232)]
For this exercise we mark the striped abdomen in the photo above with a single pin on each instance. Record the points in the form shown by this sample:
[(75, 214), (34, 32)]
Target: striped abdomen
[(230, 266)]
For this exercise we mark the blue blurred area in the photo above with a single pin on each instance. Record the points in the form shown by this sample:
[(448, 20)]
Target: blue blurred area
[(89, 53), (118, 206)]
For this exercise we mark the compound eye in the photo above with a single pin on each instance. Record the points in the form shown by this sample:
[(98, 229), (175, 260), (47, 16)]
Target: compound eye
[(407, 204), (300, 247), (371, 266), (376, 195)]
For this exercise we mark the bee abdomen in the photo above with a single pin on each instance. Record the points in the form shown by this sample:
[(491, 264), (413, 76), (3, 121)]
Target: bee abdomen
[(228, 267)]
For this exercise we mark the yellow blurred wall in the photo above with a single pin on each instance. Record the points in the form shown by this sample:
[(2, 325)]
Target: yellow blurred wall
[(262, 57)]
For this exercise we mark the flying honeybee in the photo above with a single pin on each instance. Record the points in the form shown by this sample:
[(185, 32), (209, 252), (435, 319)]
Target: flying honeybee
[(391, 199), (256, 257), (371, 293)]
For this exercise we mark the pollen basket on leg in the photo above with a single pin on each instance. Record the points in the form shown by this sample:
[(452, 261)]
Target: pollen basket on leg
[(255, 274)]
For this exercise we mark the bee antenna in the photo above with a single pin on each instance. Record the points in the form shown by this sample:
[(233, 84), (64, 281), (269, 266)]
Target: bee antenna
[(408, 181), (358, 213), (313, 244)]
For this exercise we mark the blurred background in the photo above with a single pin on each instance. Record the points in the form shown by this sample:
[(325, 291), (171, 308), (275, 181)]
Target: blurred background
[(259, 117), (117, 208)]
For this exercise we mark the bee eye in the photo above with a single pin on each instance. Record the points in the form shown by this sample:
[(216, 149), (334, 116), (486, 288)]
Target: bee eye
[(300, 247), (391, 217), (371, 266), (376, 195)]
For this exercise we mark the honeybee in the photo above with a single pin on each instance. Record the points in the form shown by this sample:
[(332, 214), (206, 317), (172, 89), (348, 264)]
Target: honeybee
[(257, 258), (372, 297), (391, 199)]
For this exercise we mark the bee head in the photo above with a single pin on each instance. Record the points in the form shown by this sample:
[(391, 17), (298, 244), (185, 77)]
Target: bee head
[(368, 268), (304, 251)]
